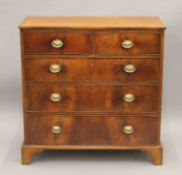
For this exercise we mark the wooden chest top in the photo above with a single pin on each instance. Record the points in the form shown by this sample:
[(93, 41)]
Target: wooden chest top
[(93, 22)]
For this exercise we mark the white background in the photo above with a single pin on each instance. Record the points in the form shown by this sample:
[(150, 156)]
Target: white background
[(11, 132)]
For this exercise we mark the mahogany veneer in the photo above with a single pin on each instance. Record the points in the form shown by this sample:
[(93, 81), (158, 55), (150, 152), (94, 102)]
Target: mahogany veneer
[(91, 98), (92, 69), (92, 83)]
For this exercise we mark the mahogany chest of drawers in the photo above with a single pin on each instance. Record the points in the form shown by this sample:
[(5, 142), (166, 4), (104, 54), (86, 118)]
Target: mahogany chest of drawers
[(92, 83)]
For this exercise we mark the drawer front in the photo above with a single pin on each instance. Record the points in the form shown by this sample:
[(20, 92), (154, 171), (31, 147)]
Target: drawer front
[(71, 69), (68, 130), (117, 43), (92, 98), (41, 42)]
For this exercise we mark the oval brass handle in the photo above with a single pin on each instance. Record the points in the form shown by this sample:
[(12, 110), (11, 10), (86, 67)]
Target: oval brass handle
[(55, 68), (55, 97), (128, 97), (127, 44), (57, 43), (129, 68), (56, 129), (128, 129)]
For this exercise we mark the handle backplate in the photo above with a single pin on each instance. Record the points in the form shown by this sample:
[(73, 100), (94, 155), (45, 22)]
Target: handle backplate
[(57, 43), (128, 129), (127, 44)]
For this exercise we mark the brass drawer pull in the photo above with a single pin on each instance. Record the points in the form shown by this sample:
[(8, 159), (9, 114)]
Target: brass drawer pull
[(128, 129), (55, 68), (56, 129), (57, 43), (129, 68), (128, 97), (55, 97), (127, 44)]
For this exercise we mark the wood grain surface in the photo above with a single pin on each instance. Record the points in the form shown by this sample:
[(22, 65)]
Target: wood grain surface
[(92, 22), (91, 130), (84, 69)]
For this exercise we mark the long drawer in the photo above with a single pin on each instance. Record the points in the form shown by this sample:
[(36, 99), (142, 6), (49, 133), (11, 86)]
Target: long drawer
[(74, 69), (69, 130), (91, 98)]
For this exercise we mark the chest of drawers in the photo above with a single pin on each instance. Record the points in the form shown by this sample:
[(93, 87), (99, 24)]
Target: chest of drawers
[(92, 83)]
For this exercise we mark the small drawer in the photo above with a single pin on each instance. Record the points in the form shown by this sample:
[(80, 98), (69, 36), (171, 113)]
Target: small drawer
[(98, 130), (92, 98), (70, 69), (57, 42), (123, 43)]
